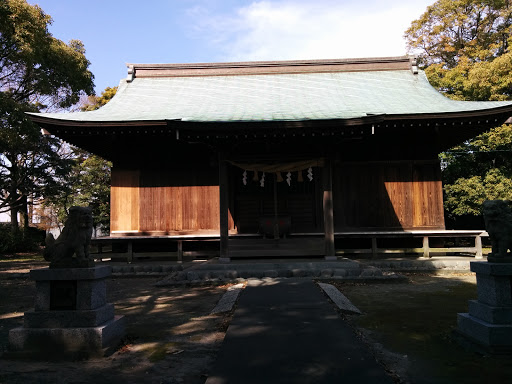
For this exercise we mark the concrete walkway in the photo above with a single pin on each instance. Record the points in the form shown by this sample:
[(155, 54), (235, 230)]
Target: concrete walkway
[(286, 331)]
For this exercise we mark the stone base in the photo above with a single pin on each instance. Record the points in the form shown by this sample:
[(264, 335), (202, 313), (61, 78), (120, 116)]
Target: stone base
[(493, 338), (71, 318), (488, 325), (72, 343), (72, 263)]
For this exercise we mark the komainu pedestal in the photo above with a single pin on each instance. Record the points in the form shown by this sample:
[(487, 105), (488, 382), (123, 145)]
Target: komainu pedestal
[(489, 321), (71, 317)]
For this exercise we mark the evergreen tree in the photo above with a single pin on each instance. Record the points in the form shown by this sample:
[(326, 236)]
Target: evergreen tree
[(464, 47), (37, 73)]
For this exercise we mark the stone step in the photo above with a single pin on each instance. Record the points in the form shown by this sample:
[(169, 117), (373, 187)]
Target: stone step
[(319, 265), (245, 271)]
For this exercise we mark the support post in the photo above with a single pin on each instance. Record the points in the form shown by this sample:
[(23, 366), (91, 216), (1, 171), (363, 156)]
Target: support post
[(478, 247), (223, 208), (130, 252), (330, 252), (180, 251), (276, 219), (374, 247), (426, 247)]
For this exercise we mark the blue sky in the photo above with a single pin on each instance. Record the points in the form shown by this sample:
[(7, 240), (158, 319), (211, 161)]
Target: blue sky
[(116, 32)]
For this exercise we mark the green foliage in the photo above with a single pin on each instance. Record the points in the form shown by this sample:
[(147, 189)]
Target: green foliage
[(35, 67), (463, 45), (478, 170), (87, 184), (93, 187), (466, 195), (37, 72), (11, 242), (490, 150), (478, 30), (95, 102)]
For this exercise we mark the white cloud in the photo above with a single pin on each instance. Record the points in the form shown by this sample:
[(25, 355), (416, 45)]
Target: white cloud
[(281, 30)]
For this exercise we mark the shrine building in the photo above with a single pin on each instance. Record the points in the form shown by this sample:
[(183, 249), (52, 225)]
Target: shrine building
[(275, 150)]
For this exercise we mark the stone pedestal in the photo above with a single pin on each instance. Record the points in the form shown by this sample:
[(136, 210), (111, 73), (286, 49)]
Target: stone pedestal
[(489, 321), (71, 315)]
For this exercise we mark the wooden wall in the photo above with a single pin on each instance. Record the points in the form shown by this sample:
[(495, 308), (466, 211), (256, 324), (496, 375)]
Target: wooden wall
[(367, 195), (164, 202), (388, 196), (124, 200)]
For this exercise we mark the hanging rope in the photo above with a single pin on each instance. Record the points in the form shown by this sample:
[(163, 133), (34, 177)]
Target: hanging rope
[(294, 166)]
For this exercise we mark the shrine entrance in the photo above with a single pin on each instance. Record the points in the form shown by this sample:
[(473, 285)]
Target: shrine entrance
[(277, 205)]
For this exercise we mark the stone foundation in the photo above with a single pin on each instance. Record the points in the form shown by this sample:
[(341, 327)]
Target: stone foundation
[(489, 321), (71, 315)]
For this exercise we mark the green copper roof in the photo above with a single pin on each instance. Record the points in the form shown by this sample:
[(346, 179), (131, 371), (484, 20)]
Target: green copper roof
[(274, 97)]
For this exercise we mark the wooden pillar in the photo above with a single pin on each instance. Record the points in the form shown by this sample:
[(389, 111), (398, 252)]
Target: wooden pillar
[(223, 208), (130, 252), (330, 252), (374, 247), (276, 219), (180, 251)]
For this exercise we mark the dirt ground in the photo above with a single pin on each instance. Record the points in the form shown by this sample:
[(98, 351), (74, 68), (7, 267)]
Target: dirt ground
[(411, 328), (171, 338)]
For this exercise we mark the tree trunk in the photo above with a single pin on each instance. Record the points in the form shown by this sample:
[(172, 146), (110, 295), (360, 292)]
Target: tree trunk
[(24, 214), (14, 221)]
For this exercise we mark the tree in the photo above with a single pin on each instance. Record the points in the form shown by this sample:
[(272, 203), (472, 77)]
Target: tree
[(94, 102), (88, 182), (95, 181), (488, 157), (37, 72), (463, 45)]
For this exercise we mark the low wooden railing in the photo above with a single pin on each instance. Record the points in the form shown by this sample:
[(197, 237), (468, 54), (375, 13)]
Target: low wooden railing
[(426, 250), (174, 244)]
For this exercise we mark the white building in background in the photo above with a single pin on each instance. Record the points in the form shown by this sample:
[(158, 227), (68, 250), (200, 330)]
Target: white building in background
[(5, 217)]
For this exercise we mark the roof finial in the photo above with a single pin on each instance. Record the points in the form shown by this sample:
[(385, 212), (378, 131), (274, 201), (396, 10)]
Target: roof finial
[(131, 73), (414, 64)]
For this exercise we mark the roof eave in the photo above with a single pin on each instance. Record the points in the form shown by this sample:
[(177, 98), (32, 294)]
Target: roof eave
[(369, 119)]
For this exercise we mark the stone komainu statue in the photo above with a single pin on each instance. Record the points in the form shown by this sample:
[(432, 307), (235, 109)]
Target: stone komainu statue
[(498, 223), (71, 248)]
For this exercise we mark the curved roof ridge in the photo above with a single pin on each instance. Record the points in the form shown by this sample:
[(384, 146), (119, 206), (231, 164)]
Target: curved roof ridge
[(270, 67)]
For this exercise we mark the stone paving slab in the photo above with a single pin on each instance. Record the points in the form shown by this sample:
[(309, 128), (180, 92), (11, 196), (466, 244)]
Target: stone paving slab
[(286, 331), (341, 301), (227, 301)]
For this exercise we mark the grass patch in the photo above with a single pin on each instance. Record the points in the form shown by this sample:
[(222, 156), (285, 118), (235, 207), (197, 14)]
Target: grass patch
[(417, 319), (17, 257)]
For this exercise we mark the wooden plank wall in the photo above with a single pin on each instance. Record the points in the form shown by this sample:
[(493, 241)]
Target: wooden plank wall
[(165, 202), (184, 208), (376, 195), (388, 195), (124, 200)]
